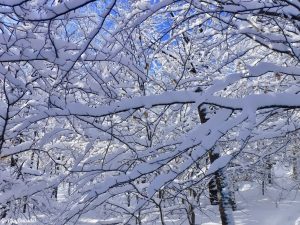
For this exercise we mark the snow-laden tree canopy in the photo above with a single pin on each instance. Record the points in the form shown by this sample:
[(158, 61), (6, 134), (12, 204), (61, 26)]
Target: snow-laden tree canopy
[(100, 101)]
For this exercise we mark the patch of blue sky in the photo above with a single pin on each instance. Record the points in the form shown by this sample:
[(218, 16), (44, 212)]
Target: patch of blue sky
[(98, 8), (165, 28)]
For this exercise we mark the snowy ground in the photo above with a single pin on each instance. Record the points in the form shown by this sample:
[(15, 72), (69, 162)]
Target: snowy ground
[(253, 209), (273, 208), (279, 206), (256, 209)]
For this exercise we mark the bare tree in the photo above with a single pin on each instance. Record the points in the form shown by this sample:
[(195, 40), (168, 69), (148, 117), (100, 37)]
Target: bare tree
[(110, 87)]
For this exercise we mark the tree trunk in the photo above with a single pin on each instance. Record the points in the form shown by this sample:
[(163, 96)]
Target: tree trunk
[(192, 215), (212, 185), (295, 165), (269, 170), (225, 205)]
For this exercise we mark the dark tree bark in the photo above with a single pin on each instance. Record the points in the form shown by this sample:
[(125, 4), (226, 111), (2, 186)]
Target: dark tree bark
[(219, 192), (225, 205)]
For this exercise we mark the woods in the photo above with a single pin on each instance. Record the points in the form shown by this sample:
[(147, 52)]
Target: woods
[(145, 112)]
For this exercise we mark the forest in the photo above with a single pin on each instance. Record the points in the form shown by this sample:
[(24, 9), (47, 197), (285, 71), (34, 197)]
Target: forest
[(150, 112)]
